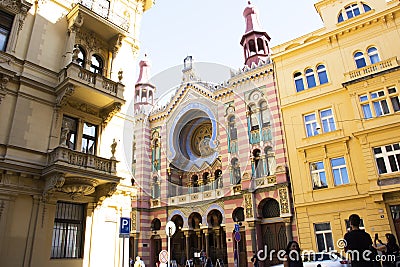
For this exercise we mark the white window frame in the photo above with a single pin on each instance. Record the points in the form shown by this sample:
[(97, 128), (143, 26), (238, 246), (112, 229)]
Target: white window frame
[(323, 233), (340, 167), (316, 175), (312, 123), (377, 99), (330, 120), (385, 156)]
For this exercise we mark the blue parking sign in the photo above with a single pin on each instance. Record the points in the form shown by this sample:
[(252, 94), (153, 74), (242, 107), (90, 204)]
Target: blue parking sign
[(125, 226)]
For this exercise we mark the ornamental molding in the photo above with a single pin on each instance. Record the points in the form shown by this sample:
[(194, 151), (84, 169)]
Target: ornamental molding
[(16, 6), (104, 191), (107, 113), (53, 183), (3, 84), (90, 40), (248, 205), (64, 95), (284, 201), (78, 187), (82, 107)]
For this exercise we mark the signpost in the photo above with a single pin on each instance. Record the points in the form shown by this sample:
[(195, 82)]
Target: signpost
[(237, 239), (163, 256), (124, 230), (170, 229)]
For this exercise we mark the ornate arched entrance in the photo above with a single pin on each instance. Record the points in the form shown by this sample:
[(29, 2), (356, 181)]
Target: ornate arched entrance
[(273, 228)]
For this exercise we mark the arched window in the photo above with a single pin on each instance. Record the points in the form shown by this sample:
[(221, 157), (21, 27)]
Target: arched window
[(81, 56), (252, 47), (360, 60), (218, 178), (265, 118), (195, 183), (322, 76), (96, 65), (310, 78), (258, 164), (373, 55), (156, 155), (235, 171), (270, 209), (150, 97), (340, 18), (366, 7), (352, 11), (206, 181), (155, 188), (270, 160), (260, 45), (298, 81), (232, 128), (253, 118)]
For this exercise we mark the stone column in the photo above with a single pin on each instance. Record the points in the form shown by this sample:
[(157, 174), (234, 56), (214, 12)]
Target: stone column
[(198, 233), (288, 226), (206, 231), (252, 228), (217, 236), (187, 236), (74, 25)]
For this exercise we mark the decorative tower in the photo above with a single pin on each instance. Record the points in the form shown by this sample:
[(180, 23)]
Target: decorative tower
[(144, 90), (143, 104), (255, 40)]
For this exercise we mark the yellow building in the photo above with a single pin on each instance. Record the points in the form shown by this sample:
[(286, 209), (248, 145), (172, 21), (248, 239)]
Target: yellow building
[(64, 180), (339, 93)]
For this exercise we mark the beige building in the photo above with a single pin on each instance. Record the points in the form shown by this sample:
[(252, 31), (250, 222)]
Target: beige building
[(65, 115), (339, 93)]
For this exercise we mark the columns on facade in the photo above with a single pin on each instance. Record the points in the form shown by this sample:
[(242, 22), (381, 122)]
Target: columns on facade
[(199, 243), (206, 232), (252, 227), (74, 25), (187, 236), (135, 244), (218, 238), (288, 226)]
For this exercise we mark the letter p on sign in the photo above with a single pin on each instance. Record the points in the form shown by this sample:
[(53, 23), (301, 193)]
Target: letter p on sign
[(125, 226)]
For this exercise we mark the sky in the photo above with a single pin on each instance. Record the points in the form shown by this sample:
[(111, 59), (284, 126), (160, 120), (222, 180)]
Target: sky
[(210, 31)]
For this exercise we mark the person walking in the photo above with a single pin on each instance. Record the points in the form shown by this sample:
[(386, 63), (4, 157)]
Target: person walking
[(358, 244), (292, 257), (254, 259), (139, 262), (390, 250)]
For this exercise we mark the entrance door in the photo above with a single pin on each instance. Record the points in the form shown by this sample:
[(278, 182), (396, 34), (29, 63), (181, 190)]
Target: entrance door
[(274, 238), (156, 249), (395, 210)]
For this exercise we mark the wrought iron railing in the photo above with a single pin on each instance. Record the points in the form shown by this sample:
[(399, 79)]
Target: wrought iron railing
[(102, 8)]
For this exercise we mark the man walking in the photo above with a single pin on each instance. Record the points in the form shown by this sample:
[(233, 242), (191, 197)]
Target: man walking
[(358, 244)]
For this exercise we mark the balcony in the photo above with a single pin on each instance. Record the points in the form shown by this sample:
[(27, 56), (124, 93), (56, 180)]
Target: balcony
[(99, 18), (371, 69), (93, 89), (79, 174)]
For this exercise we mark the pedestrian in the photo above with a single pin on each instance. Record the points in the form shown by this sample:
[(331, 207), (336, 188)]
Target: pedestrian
[(390, 250), (130, 262), (292, 256), (254, 259), (358, 244), (209, 262), (139, 262)]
